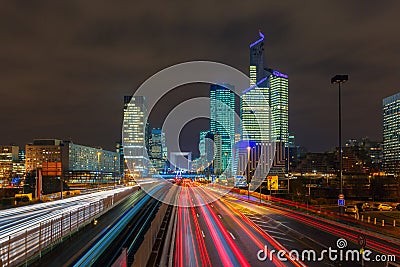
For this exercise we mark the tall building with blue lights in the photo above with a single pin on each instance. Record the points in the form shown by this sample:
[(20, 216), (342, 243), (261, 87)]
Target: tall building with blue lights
[(265, 113), (222, 109), (265, 104)]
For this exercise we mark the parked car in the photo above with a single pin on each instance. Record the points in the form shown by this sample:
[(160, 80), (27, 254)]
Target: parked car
[(364, 206), (398, 207), (351, 209), (382, 207)]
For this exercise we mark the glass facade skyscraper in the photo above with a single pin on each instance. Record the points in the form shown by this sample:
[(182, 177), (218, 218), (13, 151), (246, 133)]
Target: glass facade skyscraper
[(256, 119), (134, 135), (158, 151), (391, 134), (265, 103), (279, 103), (264, 111), (222, 105)]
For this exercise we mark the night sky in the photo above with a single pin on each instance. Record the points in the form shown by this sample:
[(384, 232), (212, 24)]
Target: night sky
[(66, 65)]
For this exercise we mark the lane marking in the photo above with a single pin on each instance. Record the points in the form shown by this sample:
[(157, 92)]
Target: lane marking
[(197, 215), (270, 226), (203, 234), (232, 236), (256, 219), (274, 232), (282, 238), (219, 216)]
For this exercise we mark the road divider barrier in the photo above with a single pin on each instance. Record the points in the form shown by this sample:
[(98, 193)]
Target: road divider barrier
[(142, 255)]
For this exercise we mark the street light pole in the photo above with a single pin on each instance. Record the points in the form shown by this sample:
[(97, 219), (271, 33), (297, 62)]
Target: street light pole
[(340, 140), (339, 79), (115, 172), (248, 173), (98, 169)]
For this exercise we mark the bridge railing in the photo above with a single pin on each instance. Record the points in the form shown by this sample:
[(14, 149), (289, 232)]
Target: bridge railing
[(29, 244)]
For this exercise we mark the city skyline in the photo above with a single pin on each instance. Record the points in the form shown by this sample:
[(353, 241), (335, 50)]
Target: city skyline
[(263, 133), (83, 72)]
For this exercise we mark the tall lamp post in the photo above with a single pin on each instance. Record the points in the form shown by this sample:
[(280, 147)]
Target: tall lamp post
[(339, 79), (248, 173), (115, 172), (98, 169)]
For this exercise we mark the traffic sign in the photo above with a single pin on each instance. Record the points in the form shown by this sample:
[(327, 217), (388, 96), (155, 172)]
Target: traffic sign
[(341, 196), (273, 182), (341, 202)]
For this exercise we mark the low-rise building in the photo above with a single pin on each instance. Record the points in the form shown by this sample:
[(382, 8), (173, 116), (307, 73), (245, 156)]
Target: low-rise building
[(78, 164)]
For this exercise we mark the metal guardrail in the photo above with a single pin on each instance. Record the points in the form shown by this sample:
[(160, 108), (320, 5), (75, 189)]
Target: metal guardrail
[(20, 248)]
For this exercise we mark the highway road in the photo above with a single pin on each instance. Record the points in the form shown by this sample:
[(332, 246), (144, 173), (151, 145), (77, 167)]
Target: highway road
[(232, 231), (214, 235), (298, 230)]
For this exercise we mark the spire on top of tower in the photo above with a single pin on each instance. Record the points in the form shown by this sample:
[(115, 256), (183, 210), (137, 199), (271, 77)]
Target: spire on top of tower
[(259, 40)]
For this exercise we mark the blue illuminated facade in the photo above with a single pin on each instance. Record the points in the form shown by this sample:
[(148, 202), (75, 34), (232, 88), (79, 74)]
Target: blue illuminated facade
[(265, 117), (265, 104), (222, 110)]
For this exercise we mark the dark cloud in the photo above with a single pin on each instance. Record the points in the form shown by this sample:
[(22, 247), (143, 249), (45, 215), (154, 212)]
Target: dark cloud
[(65, 65)]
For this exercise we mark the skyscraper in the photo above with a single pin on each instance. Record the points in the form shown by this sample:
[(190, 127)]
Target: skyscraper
[(157, 150), (265, 109), (265, 113), (255, 111), (134, 135), (391, 134), (256, 119), (222, 105), (257, 60), (202, 144), (279, 103)]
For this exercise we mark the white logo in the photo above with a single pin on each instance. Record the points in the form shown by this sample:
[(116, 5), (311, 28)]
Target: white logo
[(331, 254), (341, 243)]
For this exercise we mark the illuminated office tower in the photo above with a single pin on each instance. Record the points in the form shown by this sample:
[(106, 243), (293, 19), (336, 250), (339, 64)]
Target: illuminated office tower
[(264, 111), (279, 104), (265, 103), (134, 135), (222, 111), (202, 150), (157, 150), (256, 120), (257, 60), (202, 145), (391, 134), (8, 158)]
